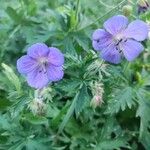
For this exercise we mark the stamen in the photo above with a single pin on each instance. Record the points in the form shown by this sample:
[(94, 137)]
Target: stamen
[(125, 40), (43, 62), (118, 49), (120, 40)]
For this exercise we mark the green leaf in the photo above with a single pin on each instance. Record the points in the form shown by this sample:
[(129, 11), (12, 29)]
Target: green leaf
[(143, 112), (68, 45), (70, 111), (69, 86), (4, 103), (112, 144), (145, 139), (35, 145), (82, 99), (10, 74), (17, 146), (4, 123), (121, 99), (13, 14), (36, 120), (68, 115), (105, 139), (59, 19), (82, 40), (30, 6), (57, 119), (73, 19)]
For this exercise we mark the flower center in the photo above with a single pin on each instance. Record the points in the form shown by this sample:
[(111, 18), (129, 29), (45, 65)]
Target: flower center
[(118, 38), (43, 62)]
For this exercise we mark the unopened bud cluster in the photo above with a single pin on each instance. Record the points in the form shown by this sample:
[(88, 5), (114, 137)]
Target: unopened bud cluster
[(127, 10), (97, 91), (37, 106)]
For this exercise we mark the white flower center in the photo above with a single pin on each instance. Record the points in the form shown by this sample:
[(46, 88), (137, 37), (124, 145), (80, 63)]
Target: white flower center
[(118, 38), (43, 62)]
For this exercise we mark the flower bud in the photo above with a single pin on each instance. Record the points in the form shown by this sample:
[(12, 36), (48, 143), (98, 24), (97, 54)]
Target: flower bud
[(127, 10), (97, 91), (37, 106), (138, 77), (96, 101)]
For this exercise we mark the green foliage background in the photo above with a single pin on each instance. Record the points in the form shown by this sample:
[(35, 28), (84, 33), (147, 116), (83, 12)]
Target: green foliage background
[(69, 122)]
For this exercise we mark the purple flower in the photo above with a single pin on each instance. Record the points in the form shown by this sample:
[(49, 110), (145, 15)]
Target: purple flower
[(118, 39), (41, 65)]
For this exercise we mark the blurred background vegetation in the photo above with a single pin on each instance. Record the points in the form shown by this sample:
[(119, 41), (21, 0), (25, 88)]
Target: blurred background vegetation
[(66, 120)]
